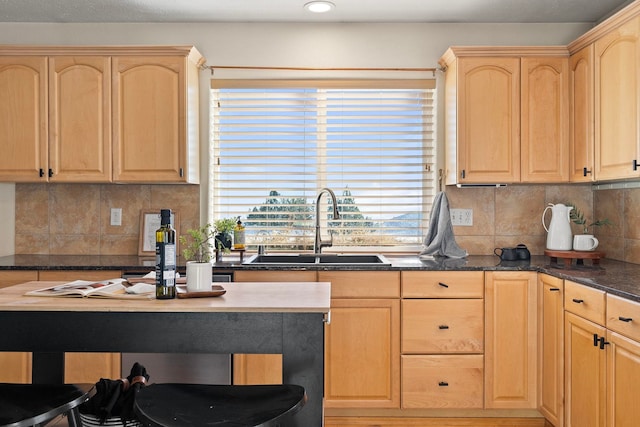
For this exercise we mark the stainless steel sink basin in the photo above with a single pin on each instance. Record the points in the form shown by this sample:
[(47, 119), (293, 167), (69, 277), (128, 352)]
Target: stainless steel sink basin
[(321, 259)]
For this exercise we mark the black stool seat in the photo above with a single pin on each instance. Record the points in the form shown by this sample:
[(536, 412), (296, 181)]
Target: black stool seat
[(185, 405), (23, 405)]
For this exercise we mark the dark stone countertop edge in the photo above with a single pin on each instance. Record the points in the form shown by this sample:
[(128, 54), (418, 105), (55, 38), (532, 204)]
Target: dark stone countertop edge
[(615, 277)]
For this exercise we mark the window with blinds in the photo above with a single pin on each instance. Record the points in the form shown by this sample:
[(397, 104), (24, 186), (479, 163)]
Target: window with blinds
[(275, 146)]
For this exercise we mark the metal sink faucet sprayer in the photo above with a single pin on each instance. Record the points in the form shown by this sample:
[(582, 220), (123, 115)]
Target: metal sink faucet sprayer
[(319, 243)]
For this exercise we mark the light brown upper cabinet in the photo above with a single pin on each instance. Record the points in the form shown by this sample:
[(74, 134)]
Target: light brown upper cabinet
[(155, 118), (23, 107), (99, 114), (506, 115), (544, 138), (617, 90), (581, 149)]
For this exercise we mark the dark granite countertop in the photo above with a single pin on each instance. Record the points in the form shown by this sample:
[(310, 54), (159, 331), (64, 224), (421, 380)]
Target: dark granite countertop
[(616, 277)]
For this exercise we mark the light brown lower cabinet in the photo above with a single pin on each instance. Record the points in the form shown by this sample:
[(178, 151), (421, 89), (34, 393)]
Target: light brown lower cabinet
[(264, 368), (511, 336), (551, 348), (362, 340)]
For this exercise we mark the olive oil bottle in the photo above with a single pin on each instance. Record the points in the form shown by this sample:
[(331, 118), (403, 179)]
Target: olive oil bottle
[(165, 257)]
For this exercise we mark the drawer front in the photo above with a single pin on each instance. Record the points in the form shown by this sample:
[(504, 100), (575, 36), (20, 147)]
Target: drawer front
[(586, 302), (362, 284), (438, 381), (443, 326), (623, 316), (439, 284)]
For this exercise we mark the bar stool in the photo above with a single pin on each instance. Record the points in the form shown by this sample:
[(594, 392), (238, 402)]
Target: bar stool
[(25, 405), (179, 405)]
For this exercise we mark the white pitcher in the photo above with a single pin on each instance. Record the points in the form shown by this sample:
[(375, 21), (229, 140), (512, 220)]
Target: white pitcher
[(559, 236)]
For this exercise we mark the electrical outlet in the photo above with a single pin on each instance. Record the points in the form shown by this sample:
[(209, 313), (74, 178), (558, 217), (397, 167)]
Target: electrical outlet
[(116, 216), (462, 217)]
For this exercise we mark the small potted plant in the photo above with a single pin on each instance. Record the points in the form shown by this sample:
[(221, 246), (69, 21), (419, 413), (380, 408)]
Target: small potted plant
[(578, 218), (197, 250), (585, 241), (223, 229)]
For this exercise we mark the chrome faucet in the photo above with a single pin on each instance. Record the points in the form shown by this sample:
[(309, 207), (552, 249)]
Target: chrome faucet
[(319, 243)]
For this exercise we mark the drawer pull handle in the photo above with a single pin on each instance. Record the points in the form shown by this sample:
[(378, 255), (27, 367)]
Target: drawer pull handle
[(577, 301), (554, 289), (443, 327), (603, 343), (444, 285), (625, 319), (596, 340), (443, 384)]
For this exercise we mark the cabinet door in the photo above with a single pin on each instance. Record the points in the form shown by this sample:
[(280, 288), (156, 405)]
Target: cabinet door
[(264, 368), (86, 367), (551, 348), (623, 377), (149, 123), (581, 149), (617, 90), (544, 139), (488, 120), (511, 340), (23, 108), (80, 119), (362, 354), (584, 373)]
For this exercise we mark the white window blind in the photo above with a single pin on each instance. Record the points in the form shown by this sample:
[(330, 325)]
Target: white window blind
[(275, 146)]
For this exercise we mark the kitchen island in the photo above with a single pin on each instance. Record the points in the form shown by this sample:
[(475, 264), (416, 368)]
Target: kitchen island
[(271, 318)]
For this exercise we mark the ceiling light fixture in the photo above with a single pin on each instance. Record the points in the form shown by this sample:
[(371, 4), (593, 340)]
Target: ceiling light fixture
[(319, 6)]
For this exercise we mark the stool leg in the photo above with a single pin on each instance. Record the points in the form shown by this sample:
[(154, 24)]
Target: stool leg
[(73, 418)]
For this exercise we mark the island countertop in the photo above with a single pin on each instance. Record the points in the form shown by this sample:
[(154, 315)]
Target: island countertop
[(264, 297)]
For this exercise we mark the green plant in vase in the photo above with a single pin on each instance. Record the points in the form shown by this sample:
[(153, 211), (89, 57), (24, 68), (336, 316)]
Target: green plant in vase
[(223, 230), (578, 218), (197, 244)]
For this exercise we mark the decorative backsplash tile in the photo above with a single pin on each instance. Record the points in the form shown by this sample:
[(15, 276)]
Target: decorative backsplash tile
[(73, 219), (69, 219)]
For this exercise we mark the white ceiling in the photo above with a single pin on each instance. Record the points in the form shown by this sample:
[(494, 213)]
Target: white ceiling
[(450, 11)]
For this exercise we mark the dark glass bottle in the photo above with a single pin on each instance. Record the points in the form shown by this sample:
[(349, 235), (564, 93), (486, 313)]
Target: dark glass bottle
[(165, 257)]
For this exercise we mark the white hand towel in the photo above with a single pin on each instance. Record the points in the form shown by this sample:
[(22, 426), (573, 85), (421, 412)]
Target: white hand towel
[(440, 240)]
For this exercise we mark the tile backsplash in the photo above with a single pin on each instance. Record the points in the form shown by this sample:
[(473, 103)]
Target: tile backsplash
[(70, 219)]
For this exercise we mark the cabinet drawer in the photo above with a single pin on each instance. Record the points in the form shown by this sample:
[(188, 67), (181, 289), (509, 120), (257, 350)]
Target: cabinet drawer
[(443, 326), (623, 316), (586, 302), (362, 284), (439, 381), (438, 284)]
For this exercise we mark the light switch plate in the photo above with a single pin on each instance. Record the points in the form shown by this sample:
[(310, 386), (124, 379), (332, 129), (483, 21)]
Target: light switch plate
[(116, 216), (462, 217)]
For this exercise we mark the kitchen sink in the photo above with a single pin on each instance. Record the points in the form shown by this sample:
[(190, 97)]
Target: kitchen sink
[(318, 259)]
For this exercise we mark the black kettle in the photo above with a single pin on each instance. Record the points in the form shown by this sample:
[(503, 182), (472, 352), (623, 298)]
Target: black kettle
[(519, 253)]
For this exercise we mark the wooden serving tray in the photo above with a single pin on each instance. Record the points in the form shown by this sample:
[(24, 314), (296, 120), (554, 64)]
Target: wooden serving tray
[(567, 257), (216, 291)]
